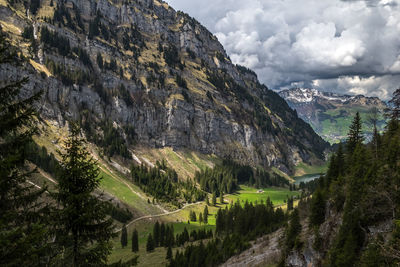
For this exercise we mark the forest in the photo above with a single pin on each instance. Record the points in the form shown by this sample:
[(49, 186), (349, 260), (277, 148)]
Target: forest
[(235, 227), (226, 177), (163, 184), (362, 175)]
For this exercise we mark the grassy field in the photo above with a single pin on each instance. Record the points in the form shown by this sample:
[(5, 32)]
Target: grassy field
[(276, 195), (180, 221), (156, 258), (184, 162), (304, 169), (117, 186)]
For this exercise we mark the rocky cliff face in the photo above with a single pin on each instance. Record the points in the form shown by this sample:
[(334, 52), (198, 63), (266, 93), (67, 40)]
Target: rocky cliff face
[(143, 66), (330, 114)]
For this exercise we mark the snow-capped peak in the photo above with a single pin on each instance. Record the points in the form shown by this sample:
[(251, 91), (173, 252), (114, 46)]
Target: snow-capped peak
[(306, 95)]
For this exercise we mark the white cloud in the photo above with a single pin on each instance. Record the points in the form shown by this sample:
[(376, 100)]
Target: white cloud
[(351, 46)]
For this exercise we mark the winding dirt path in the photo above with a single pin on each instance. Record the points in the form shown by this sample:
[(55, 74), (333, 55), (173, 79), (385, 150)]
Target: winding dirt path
[(160, 215)]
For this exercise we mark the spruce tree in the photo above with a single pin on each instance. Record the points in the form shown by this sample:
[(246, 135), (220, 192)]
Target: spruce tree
[(135, 241), (317, 216), (205, 215), (293, 230), (23, 226), (290, 203), (156, 234), (150, 244), (83, 228), (162, 235), (354, 137), (393, 113), (192, 216), (214, 199), (124, 236), (200, 218), (169, 253)]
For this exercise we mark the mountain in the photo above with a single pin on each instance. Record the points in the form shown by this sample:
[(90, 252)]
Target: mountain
[(330, 114), (138, 74)]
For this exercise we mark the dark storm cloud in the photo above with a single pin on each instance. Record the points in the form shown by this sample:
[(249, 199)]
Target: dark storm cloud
[(333, 45)]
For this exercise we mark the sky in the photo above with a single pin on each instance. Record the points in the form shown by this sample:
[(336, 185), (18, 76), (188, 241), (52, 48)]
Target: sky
[(341, 46)]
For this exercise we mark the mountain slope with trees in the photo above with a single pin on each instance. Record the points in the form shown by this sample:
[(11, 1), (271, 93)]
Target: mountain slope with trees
[(353, 218)]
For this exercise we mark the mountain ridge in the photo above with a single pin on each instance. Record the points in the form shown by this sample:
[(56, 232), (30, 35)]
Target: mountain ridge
[(330, 114)]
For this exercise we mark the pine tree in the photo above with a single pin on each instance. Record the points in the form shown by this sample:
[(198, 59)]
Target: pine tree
[(83, 228), (192, 216), (214, 199), (124, 236), (393, 113), (317, 215), (354, 137), (150, 244), (290, 203), (205, 215), (169, 253), (162, 235), (219, 222), (293, 230), (23, 228), (185, 235), (200, 218), (135, 241), (156, 234)]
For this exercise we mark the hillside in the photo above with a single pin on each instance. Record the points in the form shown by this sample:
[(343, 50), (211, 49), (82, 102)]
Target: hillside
[(330, 114), (352, 218), (139, 73)]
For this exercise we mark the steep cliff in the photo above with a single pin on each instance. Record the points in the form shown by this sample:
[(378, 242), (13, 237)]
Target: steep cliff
[(157, 76)]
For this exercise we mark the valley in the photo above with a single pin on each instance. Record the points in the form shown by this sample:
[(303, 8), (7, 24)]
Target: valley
[(128, 136), (331, 114)]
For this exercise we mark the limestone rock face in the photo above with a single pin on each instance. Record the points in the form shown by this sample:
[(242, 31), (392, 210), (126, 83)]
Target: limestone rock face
[(147, 49)]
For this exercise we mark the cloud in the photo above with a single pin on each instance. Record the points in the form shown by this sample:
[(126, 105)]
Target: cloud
[(349, 46)]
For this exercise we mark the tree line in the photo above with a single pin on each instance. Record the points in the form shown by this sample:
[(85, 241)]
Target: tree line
[(162, 182), (226, 177), (360, 176), (235, 227)]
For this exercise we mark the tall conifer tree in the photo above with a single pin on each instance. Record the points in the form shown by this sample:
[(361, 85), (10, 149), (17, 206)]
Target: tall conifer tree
[(84, 230), (135, 241), (23, 229), (124, 236), (150, 243), (354, 137)]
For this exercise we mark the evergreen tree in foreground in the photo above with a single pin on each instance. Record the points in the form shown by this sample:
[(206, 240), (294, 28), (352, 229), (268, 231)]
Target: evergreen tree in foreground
[(124, 236), (84, 230), (135, 241), (23, 228), (354, 137), (293, 230)]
